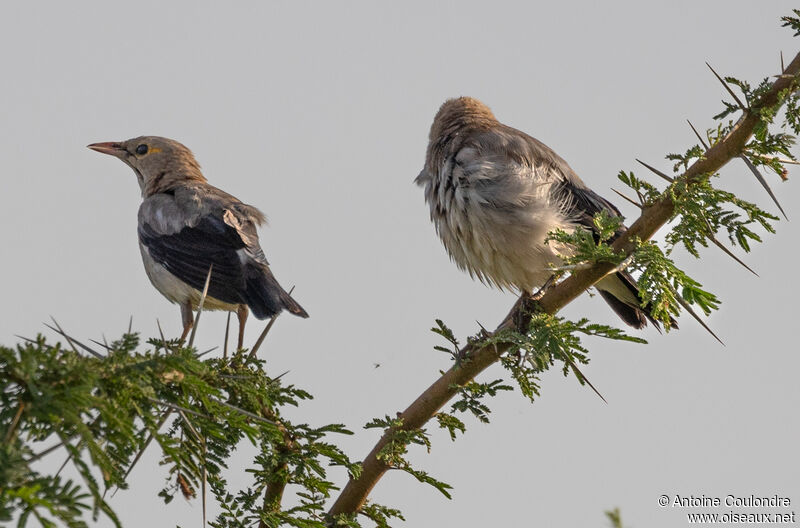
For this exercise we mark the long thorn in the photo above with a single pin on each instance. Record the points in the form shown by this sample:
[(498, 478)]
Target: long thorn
[(631, 200), (130, 324), (161, 333), (261, 338), (242, 411), (141, 451), (696, 133), (75, 341), (580, 377), (176, 407), (204, 485), (33, 341), (201, 354), (200, 306), (44, 453), (730, 254), (711, 237), (656, 171), (104, 345), (783, 69), (688, 308), (279, 376), (190, 426), (69, 457), (227, 331), (763, 183), (264, 333), (728, 88), (61, 331)]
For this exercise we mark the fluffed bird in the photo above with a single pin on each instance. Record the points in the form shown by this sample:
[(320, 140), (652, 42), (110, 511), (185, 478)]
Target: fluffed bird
[(187, 227), (495, 193)]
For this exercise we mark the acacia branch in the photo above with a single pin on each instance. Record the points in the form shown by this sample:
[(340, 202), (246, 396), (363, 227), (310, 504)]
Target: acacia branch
[(481, 356), (273, 494)]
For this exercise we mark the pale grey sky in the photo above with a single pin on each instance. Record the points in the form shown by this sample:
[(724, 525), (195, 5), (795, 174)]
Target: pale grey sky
[(318, 114)]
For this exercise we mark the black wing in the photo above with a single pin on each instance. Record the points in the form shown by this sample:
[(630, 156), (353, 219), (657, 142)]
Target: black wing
[(586, 203), (189, 253)]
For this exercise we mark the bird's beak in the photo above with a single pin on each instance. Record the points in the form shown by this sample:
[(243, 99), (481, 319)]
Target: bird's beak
[(111, 147)]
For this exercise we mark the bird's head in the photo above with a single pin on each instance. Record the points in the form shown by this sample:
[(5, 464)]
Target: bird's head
[(459, 113), (159, 163)]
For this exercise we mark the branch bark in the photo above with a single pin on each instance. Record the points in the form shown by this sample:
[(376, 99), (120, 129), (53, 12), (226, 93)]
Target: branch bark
[(273, 495), (355, 493)]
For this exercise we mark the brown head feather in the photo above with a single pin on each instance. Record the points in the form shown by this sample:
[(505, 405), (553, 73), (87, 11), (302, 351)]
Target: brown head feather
[(461, 113), (160, 164), (454, 122)]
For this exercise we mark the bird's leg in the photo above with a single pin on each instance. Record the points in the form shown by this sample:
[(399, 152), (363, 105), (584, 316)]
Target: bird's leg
[(188, 318), (527, 305), (241, 313)]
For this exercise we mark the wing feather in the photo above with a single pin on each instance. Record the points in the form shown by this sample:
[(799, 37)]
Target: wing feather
[(190, 252)]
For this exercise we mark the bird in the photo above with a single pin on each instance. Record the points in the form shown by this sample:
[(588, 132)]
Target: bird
[(188, 228), (495, 193)]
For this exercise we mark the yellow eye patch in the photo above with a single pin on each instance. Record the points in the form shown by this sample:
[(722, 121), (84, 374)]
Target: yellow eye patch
[(153, 150)]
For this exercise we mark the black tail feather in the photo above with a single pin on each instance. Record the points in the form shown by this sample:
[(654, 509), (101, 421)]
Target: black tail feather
[(266, 297), (633, 315)]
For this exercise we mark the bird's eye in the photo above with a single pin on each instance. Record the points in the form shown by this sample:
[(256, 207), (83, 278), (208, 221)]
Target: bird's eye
[(141, 149)]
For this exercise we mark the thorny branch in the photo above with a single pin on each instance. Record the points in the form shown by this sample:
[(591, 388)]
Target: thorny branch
[(479, 357)]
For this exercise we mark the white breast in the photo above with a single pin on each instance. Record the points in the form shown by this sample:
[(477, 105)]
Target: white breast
[(493, 223)]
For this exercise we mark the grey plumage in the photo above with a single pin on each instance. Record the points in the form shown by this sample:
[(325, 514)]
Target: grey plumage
[(495, 193), (186, 226)]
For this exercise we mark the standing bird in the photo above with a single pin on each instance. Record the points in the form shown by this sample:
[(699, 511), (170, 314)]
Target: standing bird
[(187, 227), (495, 193)]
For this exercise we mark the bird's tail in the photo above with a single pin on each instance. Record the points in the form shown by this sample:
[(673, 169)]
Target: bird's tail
[(265, 296), (622, 294)]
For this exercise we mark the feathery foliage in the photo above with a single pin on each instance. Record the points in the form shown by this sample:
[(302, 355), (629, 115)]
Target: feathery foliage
[(103, 411)]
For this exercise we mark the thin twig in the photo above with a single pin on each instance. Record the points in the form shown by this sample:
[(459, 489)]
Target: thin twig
[(14, 422), (784, 161)]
